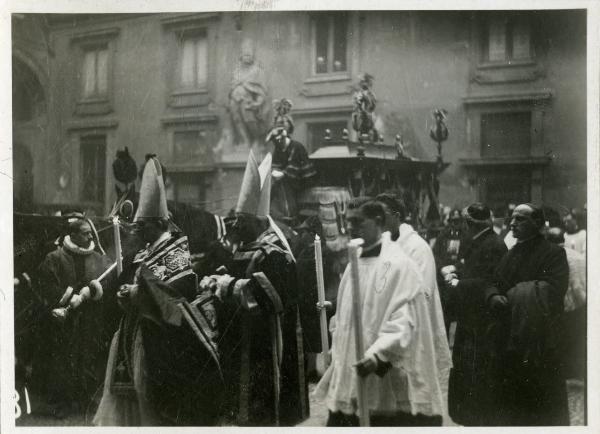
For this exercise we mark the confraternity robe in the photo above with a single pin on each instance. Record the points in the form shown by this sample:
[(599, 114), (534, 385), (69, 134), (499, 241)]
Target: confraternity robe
[(396, 328)]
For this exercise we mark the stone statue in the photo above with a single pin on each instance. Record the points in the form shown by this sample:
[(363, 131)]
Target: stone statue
[(248, 107)]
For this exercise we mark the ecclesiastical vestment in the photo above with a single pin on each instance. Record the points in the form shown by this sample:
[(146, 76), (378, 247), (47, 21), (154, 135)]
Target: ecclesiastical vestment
[(419, 251), (163, 364), (396, 329), (68, 366), (261, 337)]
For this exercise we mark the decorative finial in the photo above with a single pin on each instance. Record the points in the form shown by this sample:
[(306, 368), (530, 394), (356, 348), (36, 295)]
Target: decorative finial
[(439, 131), (327, 135), (345, 134), (399, 147)]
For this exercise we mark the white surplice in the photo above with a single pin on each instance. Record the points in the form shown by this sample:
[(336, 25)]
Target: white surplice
[(419, 251), (396, 327)]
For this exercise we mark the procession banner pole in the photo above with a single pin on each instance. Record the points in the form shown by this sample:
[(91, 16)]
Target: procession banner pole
[(117, 235), (321, 292), (363, 411)]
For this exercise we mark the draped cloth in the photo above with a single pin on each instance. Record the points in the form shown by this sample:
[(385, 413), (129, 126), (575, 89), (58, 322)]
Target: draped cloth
[(261, 338), (396, 328), (419, 251), (163, 368), (526, 356)]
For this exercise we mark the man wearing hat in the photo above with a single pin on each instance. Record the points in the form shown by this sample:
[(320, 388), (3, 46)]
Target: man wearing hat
[(470, 394), (526, 302), (292, 170), (64, 365), (153, 372)]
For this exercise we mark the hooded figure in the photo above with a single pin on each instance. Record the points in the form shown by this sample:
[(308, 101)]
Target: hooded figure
[(167, 334), (261, 340)]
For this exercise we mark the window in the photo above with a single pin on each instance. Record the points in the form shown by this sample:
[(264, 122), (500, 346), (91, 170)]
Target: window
[(191, 147), (508, 38), (93, 168), (193, 60), (189, 188), (499, 187), (95, 73), (505, 134), (316, 133), (330, 39)]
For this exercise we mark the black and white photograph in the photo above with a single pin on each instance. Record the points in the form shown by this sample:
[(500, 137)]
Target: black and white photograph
[(288, 217)]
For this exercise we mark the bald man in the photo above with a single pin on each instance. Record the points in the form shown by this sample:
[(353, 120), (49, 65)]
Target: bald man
[(526, 303)]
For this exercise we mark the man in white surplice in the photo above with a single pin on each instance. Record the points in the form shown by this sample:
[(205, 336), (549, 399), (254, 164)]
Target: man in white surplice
[(399, 362), (419, 251)]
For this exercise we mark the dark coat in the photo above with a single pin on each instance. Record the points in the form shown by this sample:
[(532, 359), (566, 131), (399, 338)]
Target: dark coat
[(470, 394), (532, 385), (68, 365)]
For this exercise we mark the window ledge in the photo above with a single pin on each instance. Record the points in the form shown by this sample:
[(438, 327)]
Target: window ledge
[(92, 101), (511, 161), (96, 35), (93, 124), (533, 95), (190, 119), (324, 78), (506, 64), (88, 107), (193, 91)]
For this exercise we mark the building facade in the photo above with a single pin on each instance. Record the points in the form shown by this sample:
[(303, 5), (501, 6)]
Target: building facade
[(513, 85)]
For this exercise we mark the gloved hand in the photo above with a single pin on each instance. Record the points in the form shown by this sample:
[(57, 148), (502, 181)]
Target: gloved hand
[(449, 277), (447, 270), (327, 305), (208, 284), (127, 291), (76, 301), (217, 283), (222, 283), (453, 282), (64, 299), (498, 303)]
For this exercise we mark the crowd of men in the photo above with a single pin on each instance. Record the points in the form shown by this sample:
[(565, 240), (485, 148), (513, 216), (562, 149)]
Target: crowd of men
[(174, 347)]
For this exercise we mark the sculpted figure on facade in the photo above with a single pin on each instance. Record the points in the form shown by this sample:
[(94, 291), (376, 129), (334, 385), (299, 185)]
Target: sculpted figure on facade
[(248, 107)]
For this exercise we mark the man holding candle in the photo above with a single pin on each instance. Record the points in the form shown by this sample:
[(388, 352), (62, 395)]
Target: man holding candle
[(397, 335)]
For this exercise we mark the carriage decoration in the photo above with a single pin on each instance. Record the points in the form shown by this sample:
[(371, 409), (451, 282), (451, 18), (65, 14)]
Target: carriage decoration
[(369, 166)]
